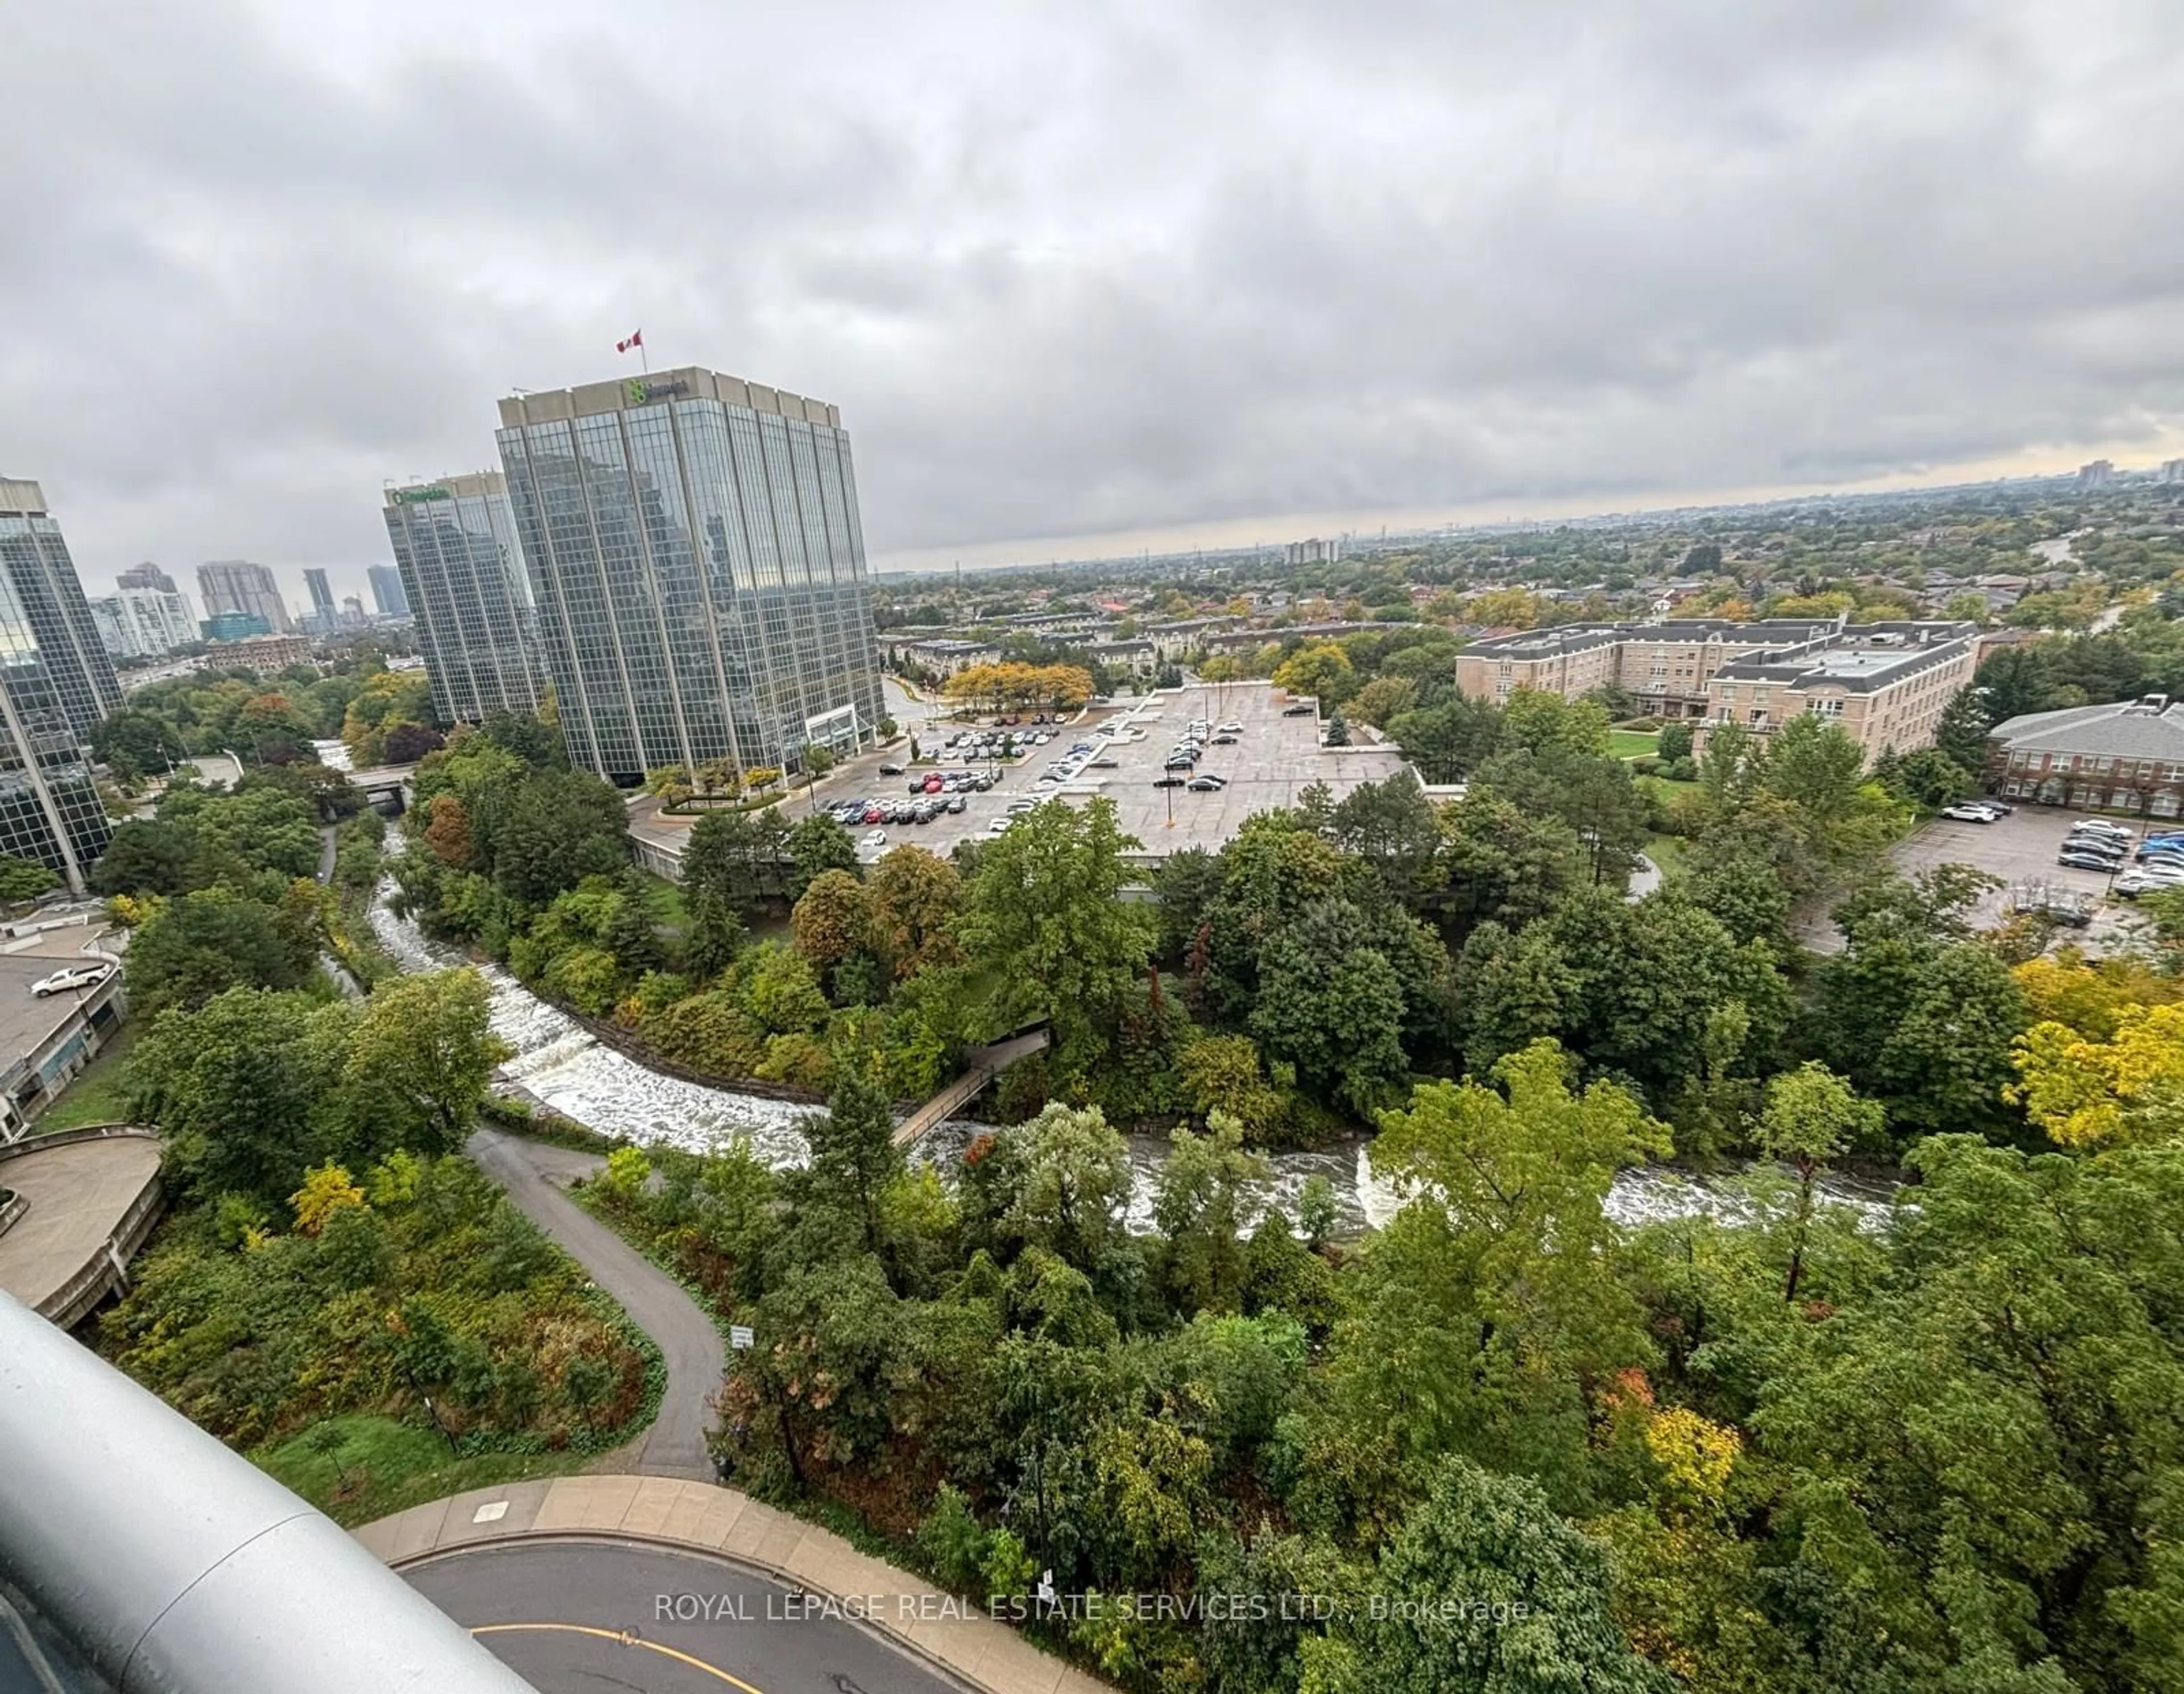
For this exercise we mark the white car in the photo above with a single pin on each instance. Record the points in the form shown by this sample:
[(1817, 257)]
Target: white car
[(2100, 826), (1965, 812), (874, 838), (997, 825), (74, 977)]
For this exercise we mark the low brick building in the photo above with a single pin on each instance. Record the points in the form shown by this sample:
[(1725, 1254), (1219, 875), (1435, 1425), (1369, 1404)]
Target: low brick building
[(2126, 756)]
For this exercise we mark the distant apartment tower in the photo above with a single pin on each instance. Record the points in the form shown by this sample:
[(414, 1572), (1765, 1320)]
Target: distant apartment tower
[(388, 592), (146, 575), (461, 577), (142, 623), (2097, 475), (56, 680), (49, 598), (235, 585), (2172, 470), (1314, 552), (322, 597), (694, 547)]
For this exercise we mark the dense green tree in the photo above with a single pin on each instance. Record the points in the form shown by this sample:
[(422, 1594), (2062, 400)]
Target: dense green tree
[(1961, 735), (419, 1058), (201, 945), (632, 931), (147, 855), (816, 845), (561, 827), (1043, 922), (1484, 1589), (238, 1086), (854, 1156), (24, 878), (1331, 1003)]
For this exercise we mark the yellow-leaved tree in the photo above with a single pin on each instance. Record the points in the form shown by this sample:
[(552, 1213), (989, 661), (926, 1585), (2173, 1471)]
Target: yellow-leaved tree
[(2089, 1092), (327, 1188)]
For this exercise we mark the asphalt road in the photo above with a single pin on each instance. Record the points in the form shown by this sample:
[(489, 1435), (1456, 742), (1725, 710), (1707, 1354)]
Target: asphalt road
[(583, 1618), (532, 1174)]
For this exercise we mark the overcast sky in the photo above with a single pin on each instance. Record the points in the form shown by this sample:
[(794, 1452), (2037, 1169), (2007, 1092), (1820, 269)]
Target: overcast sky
[(1082, 278)]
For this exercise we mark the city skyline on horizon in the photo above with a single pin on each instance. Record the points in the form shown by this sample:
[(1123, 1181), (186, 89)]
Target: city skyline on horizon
[(1275, 529)]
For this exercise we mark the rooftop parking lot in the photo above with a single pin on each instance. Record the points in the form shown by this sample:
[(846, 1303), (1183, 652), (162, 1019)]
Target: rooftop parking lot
[(1266, 760), (1269, 760)]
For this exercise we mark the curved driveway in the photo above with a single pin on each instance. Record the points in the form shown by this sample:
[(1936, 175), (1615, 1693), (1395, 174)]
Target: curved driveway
[(581, 1616), (534, 1175), (80, 1191)]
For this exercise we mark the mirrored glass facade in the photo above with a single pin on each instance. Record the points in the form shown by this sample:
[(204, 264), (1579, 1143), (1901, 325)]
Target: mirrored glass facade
[(462, 579), (56, 682), (694, 548), (49, 599)]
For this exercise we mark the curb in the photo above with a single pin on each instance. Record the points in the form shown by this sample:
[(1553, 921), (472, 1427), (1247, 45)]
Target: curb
[(983, 1655)]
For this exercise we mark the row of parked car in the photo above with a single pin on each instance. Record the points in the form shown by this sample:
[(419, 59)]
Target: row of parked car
[(2097, 844), (1180, 770)]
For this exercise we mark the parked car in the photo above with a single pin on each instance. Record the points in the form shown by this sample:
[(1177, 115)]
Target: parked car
[(1107, 764), (891, 770), (957, 804), (1224, 741), (1169, 782), (1965, 812), (1205, 785), (876, 838), (1300, 709), (71, 978), (2100, 826), (1232, 729), (2080, 859)]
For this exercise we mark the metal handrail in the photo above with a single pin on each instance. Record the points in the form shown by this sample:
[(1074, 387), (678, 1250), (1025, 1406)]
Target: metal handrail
[(177, 1567)]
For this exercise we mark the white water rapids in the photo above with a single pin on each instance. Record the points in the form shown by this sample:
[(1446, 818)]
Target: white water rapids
[(560, 1063)]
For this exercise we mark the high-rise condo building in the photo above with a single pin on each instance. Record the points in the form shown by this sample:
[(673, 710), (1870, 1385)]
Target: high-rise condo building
[(49, 598), (322, 597), (461, 577), (146, 575), (235, 585), (694, 547), (387, 593), (141, 623), (56, 681)]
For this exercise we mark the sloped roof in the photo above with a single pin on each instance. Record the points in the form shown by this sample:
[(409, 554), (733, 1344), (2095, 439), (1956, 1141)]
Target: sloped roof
[(2122, 729)]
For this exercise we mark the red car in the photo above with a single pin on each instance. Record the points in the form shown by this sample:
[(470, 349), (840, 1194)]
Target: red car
[(933, 785), (871, 814)]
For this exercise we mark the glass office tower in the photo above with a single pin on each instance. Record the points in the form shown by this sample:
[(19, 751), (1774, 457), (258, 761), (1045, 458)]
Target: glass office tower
[(462, 579), (48, 597), (694, 547), (56, 682)]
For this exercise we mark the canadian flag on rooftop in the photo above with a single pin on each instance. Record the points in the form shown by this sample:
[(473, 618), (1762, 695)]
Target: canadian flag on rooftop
[(636, 339)]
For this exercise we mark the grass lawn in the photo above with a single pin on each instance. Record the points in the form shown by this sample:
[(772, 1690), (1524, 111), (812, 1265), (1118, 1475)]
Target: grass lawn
[(375, 1465), (1633, 743), (1667, 851), (94, 1096)]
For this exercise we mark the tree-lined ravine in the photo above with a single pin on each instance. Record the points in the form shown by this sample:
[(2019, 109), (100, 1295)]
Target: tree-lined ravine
[(562, 1065)]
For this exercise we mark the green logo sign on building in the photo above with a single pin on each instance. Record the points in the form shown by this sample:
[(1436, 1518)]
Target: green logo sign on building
[(417, 497), (636, 391)]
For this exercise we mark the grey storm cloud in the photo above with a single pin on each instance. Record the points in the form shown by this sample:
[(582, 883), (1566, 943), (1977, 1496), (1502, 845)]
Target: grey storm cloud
[(1120, 267)]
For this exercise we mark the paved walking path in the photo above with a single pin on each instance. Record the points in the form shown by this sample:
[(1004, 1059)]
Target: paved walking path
[(534, 1175), (950, 1633)]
